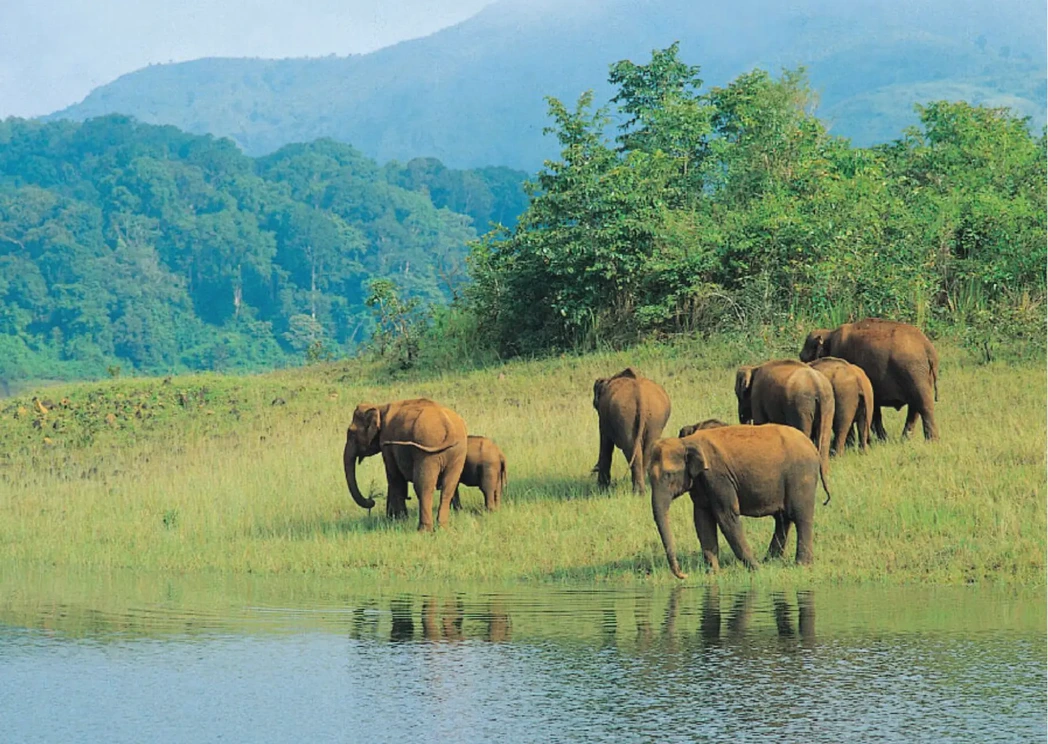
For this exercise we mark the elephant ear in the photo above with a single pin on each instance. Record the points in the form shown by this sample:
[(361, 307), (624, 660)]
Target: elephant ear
[(598, 390), (367, 420), (696, 457), (373, 423), (743, 381)]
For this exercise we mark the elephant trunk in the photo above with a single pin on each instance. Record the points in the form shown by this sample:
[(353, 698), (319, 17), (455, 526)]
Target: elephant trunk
[(349, 461), (660, 507)]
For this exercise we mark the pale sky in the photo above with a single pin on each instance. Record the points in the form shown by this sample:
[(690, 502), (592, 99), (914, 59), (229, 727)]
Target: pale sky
[(54, 52)]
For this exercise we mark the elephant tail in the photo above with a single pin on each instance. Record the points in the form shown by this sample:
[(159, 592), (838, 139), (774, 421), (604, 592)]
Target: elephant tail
[(933, 367), (638, 441), (825, 487), (503, 475), (822, 432)]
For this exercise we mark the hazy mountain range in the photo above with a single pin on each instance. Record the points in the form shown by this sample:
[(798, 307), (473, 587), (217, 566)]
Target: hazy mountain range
[(472, 94)]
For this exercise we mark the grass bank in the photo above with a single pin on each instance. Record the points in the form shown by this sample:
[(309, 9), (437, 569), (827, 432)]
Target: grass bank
[(243, 475)]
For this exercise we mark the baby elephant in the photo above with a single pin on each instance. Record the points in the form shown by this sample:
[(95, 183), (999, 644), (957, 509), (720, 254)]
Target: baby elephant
[(701, 426), (485, 469), (732, 471)]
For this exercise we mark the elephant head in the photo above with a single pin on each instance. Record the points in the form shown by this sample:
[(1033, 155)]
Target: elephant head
[(675, 464), (690, 429), (601, 384), (816, 346), (361, 441), (743, 389)]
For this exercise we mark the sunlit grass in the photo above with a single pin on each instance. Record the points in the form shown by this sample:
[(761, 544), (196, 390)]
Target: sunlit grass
[(252, 487)]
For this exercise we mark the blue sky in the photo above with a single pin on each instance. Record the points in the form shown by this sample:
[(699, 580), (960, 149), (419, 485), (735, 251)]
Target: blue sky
[(54, 52)]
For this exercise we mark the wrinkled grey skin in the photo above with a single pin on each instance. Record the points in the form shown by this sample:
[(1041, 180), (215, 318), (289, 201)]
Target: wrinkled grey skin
[(785, 391), (902, 364), (852, 401), (733, 471), (632, 412)]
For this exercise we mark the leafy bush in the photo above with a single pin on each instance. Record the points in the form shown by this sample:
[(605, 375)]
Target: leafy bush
[(736, 208)]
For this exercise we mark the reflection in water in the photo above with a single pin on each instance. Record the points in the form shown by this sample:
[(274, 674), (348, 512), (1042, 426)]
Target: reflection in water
[(533, 664)]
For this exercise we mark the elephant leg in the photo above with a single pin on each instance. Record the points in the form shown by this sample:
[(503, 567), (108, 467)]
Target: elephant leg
[(637, 470), (862, 428), (911, 421), (450, 482), (778, 538), (456, 502), (427, 473), (396, 492), (841, 428), (607, 449), (931, 430), (805, 533), (489, 484), (706, 529), (730, 524), (878, 424)]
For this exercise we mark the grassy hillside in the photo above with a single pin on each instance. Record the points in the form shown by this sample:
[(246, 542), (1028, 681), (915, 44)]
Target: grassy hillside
[(243, 475), (473, 94)]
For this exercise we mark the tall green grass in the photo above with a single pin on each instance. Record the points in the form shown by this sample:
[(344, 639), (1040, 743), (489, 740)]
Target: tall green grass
[(245, 477)]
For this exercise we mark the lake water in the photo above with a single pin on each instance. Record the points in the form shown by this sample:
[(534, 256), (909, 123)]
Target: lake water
[(159, 659)]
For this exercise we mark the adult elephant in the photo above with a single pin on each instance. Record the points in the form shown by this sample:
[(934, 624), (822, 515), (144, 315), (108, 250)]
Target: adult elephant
[(852, 400), (632, 412), (421, 443), (785, 391), (902, 364), (733, 471)]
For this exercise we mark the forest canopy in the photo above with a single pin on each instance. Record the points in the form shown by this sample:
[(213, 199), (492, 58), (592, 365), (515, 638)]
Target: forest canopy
[(124, 245), (673, 208), (681, 209)]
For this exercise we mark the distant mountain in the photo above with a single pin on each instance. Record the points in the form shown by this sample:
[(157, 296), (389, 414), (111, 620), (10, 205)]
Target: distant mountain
[(472, 95)]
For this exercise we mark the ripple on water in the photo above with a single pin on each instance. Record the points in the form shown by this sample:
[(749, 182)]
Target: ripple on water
[(529, 664)]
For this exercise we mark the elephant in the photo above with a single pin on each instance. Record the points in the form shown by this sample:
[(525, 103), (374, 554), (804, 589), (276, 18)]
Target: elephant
[(701, 426), (785, 391), (733, 471), (421, 443), (485, 469), (902, 364), (632, 412), (852, 400)]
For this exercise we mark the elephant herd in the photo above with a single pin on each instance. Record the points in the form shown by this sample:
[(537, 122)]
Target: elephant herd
[(792, 414)]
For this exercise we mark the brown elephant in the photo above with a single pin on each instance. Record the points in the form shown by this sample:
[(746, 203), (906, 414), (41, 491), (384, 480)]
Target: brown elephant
[(632, 411), (733, 471), (421, 443), (701, 426), (485, 469), (852, 401), (902, 364), (785, 391)]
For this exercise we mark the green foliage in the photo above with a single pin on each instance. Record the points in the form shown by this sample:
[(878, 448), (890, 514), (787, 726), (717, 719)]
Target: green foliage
[(145, 248), (399, 323), (736, 208)]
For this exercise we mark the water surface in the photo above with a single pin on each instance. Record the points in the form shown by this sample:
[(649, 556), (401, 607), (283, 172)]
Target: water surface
[(143, 658)]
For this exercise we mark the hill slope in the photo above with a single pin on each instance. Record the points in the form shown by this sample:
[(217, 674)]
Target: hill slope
[(125, 244), (472, 94)]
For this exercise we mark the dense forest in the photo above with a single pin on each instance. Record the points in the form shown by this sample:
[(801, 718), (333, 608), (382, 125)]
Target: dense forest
[(472, 95), (733, 209), (674, 208), (133, 247)]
